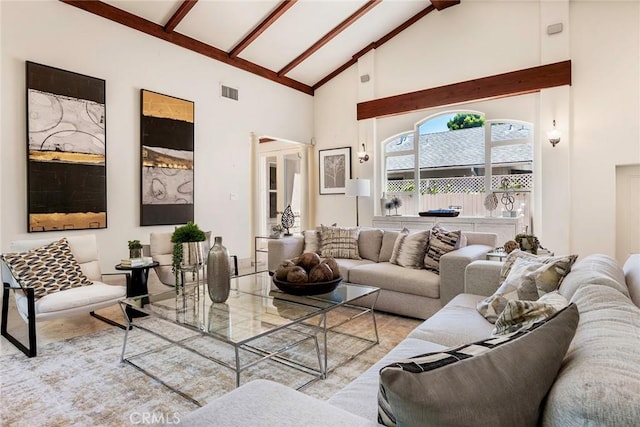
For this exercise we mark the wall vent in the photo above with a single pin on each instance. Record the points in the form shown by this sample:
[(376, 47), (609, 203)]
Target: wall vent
[(228, 92)]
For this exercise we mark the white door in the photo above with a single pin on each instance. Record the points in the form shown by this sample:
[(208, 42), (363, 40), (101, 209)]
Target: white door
[(627, 211)]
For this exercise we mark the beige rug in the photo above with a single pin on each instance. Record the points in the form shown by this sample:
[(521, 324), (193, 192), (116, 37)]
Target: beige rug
[(80, 381)]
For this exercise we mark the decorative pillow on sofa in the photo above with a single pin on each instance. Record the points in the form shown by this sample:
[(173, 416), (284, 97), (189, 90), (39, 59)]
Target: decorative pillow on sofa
[(48, 269), (528, 280), (312, 240), (552, 277), (499, 381), (410, 248), (522, 314), (442, 241), (339, 242), (519, 285)]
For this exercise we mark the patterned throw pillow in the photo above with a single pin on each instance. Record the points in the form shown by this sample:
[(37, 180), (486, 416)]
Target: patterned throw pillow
[(562, 266), (312, 240), (441, 242), (339, 242), (518, 368), (48, 269), (409, 249), (520, 284), (522, 314), (528, 280)]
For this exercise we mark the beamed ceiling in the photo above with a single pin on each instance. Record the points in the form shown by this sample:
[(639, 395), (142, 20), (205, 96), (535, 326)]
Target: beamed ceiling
[(298, 43)]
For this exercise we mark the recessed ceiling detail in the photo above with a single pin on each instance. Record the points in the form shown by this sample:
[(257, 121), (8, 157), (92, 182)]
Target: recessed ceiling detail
[(301, 44)]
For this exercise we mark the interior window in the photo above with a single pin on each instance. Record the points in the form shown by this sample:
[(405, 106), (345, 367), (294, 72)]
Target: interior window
[(459, 160)]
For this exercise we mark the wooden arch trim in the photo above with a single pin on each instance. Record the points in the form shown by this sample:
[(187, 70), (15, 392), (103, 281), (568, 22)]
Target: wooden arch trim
[(519, 82)]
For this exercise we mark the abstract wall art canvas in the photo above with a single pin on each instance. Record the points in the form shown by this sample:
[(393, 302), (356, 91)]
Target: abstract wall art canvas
[(66, 150), (167, 136)]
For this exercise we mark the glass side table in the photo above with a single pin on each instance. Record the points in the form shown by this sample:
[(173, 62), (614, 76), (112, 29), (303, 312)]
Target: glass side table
[(498, 254)]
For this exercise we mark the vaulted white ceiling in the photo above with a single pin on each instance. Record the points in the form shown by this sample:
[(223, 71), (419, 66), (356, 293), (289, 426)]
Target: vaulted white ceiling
[(299, 43)]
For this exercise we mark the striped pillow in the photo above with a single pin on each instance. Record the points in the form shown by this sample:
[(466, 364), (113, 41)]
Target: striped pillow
[(442, 241), (409, 249), (339, 242), (469, 384)]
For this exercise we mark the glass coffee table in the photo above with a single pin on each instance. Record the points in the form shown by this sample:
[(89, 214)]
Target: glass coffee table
[(255, 310)]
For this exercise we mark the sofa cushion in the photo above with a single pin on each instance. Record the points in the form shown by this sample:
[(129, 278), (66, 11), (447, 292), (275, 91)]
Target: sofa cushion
[(455, 324), (385, 275), (360, 396), (388, 241), (499, 381), (263, 403), (82, 296), (346, 265), (522, 314), (338, 242), (410, 248), (597, 269), (599, 381), (48, 269), (442, 241), (369, 243)]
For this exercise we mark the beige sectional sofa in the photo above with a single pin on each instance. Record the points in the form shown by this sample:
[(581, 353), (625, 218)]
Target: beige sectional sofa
[(598, 382), (409, 292)]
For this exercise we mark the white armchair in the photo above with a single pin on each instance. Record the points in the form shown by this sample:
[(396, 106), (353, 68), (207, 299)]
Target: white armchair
[(161, 250), (63, 303)]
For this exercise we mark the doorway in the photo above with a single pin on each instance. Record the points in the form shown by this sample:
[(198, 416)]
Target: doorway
[(282, 182), (627, 208)]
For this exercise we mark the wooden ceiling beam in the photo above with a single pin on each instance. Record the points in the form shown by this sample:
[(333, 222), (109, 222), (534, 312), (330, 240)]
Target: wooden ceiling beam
[(391, 34), (182, 11), (519, 82), (330, 35), (269, 20), (443, 4), (151, 28)]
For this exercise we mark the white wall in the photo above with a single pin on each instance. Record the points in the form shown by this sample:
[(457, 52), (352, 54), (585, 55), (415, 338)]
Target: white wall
[(55, 34), (598, 114), (605, 47)]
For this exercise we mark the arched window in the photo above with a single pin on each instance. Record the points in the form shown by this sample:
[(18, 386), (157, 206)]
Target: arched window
[(459, 161)]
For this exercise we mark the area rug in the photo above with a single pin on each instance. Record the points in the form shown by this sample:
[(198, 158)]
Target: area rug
[(80, 381)]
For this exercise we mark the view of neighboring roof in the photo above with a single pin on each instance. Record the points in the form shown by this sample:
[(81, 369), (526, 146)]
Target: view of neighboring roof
[(461, 148)]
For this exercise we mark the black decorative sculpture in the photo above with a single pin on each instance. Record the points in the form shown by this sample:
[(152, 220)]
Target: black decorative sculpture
[(287, 220)]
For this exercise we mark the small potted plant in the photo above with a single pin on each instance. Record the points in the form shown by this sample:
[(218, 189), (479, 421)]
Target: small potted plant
[(188, 248), (135, 249), (277, 230)]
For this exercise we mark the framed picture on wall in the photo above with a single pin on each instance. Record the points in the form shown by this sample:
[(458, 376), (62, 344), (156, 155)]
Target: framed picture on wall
[(335, 169), (66, 150), (167, 139)]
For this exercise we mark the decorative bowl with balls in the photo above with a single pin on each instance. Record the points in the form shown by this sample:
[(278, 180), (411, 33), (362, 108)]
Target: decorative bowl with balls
[(307, 274)]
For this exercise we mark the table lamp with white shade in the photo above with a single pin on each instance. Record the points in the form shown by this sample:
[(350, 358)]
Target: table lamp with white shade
[(357, 188)]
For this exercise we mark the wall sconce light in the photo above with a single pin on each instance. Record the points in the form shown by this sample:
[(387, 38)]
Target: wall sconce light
[(362, 155), (554, 135)]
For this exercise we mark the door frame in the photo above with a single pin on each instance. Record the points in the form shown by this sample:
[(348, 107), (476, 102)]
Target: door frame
[(278, 146)]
